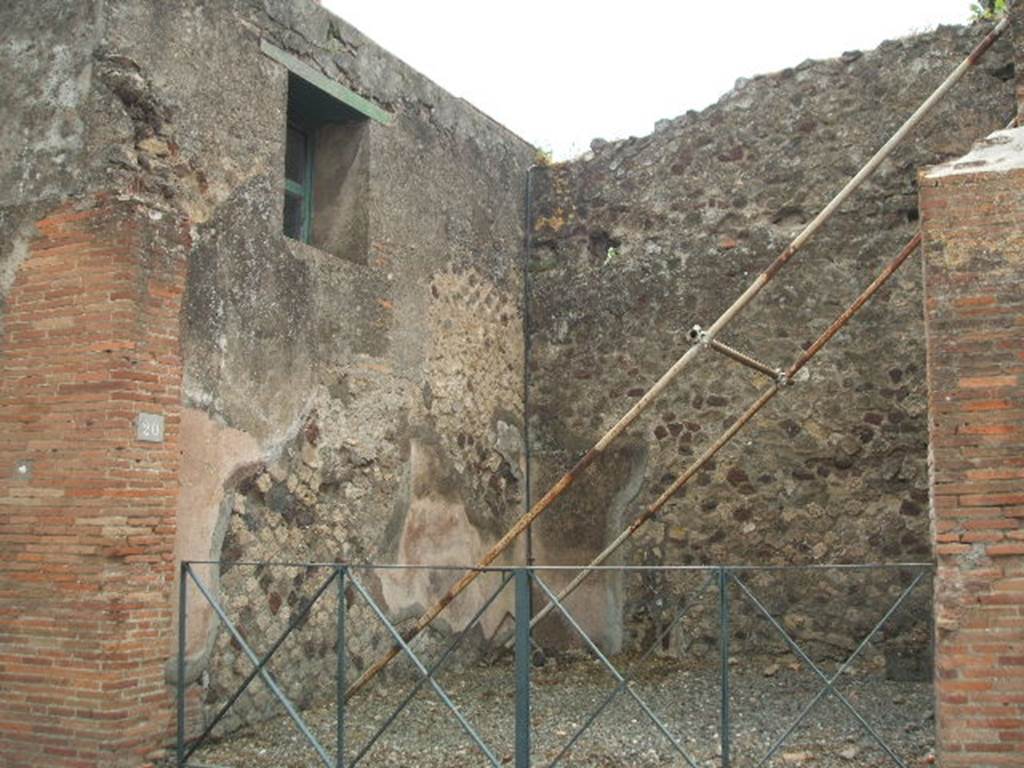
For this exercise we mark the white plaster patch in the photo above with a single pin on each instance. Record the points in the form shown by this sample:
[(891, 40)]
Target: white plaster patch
[(18, 253), (211, 453), (438, 532), (1001, 152)]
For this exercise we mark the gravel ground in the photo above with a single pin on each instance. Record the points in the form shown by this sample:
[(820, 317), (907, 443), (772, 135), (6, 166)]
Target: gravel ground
[(427, 735)]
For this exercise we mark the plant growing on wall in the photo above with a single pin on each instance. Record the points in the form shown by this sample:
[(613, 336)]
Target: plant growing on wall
[(989, 9)]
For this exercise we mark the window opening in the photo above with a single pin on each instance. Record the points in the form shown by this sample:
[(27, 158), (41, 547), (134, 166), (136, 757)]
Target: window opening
[(298, 183), (327, 160)]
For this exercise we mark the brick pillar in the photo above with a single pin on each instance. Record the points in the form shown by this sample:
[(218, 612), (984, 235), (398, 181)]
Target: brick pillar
[(89, 338), (973, 218)]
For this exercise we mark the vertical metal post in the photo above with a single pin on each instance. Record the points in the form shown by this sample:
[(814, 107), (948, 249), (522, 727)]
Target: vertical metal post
[(723, 643), (522, 668), (527, 335), (341, 682), (182, 648)]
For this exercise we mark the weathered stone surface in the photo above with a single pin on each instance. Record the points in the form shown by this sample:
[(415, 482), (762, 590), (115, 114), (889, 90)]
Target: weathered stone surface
[(369, 406), (1017, 29), (363, 406), (639, 240), (344, 369), (249, 312), (46, 58)]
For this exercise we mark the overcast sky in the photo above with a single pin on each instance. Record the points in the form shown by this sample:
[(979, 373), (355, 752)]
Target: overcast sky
[(562, 72)]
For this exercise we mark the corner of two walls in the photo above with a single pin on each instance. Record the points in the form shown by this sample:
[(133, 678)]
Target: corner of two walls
[(639, 239), (89, 344)]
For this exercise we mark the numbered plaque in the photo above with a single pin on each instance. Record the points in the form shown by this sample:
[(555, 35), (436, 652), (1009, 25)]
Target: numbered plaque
[(149, 428)]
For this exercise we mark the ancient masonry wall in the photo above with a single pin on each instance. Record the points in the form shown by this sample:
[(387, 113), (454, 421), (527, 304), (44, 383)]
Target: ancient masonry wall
[(1017, 24), (368, 405), (638, 240), (972, 211), (361, 405)]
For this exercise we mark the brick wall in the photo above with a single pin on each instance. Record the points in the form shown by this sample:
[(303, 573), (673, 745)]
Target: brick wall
[(89, 339), (974, 273)]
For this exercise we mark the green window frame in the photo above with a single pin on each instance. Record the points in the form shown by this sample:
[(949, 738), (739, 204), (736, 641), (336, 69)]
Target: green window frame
[(314, 101), (298, 182), (334, 89)]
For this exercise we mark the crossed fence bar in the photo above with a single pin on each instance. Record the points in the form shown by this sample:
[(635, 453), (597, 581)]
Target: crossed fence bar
[(728, 581)]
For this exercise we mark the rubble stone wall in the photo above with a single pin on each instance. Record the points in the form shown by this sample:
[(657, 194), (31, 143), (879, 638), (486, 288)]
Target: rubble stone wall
[(639, 240), (1016, 24), (369, 405)]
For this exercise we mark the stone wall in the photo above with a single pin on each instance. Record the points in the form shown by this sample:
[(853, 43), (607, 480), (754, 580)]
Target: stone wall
[(368, 404), (972, 210), (383, 392), (639, 240), (359, 405), (1017, 24)]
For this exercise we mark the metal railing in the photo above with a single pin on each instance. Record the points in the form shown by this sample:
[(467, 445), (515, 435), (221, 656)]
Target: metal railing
[(733, 585)]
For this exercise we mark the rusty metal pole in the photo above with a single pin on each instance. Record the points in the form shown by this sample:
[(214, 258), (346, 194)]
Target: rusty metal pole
[(736, 426), (567, 480)]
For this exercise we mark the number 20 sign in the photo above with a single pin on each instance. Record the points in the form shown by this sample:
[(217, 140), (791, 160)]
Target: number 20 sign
[(149, 428)]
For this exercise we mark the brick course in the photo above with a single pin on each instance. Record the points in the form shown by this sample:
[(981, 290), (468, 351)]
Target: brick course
[(974, 308), (90, 338)]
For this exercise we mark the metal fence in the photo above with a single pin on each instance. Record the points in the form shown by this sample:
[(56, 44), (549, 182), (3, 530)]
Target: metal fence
[(728, 587)]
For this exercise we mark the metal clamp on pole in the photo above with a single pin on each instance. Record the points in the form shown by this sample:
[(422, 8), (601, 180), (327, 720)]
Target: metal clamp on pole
[(699, 336)]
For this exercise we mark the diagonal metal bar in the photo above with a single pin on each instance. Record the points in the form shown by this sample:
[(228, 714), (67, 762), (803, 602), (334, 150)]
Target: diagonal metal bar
[(853, 656), (615, 673), (425, 673), (752, 410), (680, 615), (795, 647), (506, 578), (294, 624), (655, 391), (264, 675)]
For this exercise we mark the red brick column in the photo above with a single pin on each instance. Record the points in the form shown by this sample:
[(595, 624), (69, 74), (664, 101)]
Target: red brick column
[(973, 218), (89, 338)]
